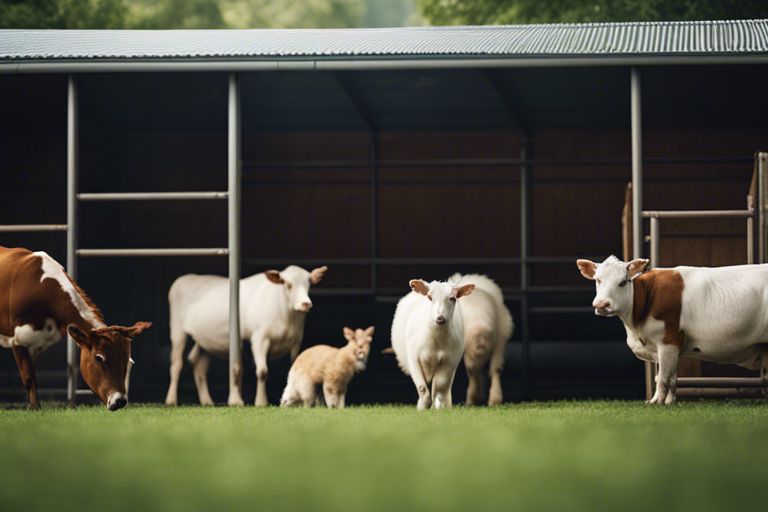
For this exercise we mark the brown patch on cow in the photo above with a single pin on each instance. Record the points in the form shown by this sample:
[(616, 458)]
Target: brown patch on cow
[(659, 294)]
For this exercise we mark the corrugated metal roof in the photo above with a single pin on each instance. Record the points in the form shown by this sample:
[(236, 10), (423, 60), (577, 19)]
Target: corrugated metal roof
[(589, 39)]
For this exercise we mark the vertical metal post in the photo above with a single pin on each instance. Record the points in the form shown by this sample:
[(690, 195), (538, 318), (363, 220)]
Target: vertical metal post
[(761, 233), (654, 241), (72, 164), (234, 171), (637, 190), (637, 164), (524, 274), (374, 150), (750, 240)]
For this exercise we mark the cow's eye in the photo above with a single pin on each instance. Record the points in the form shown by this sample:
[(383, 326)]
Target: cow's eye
[(453, 299), (288, 285), (100, 358), (599, 281), (429, 296)]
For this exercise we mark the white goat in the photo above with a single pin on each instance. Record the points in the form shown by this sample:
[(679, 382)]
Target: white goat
[(487, 328), (428, 338)]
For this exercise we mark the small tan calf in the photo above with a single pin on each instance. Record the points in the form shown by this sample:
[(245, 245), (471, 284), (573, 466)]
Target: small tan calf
[(330, 367)]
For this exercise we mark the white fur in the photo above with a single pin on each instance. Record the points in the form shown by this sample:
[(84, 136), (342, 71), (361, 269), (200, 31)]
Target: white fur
[(271, 317), (487, 328), (53, 270), (36, 341), (724, 318), (426, 351)]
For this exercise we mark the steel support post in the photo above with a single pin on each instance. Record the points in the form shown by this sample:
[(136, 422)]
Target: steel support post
[(234, 175), (72, 227), (524, 271)]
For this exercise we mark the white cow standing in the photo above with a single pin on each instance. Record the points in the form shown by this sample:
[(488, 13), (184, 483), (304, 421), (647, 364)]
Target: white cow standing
[(718, 314), (273, 307)]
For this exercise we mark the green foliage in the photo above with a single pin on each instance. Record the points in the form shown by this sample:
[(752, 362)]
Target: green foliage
[(575, 456), (189, 14), (169, 14), (488, 12), (292, 14), (62, 14)]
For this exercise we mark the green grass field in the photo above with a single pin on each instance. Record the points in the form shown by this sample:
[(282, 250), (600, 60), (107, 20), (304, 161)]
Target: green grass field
[(538, 456)]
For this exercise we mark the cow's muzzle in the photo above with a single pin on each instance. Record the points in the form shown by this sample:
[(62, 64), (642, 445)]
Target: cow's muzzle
[(116, 401)]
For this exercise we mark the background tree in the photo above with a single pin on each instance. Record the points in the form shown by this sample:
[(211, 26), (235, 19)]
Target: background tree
[(488, 12), (62, 14)]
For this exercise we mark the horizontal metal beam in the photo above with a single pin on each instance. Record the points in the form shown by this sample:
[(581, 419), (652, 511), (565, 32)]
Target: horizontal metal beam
[(720, 392), (371, 64), (29, 228), (723, 382), (697, 214), (91, 253), (489, 162), (150, 196), (537, 260)]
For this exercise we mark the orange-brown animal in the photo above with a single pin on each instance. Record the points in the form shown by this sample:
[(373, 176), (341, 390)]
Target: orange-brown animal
[(39, 304), (329, 367)]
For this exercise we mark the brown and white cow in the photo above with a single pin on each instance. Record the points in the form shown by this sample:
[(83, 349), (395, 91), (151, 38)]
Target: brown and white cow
[(713, 314), (39, 304)]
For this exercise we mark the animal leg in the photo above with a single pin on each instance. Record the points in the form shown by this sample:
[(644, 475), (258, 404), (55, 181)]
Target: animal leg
[(475, 383), (260, 349), (235, 385), (441, 388), (417, 375), (201, 361), (764, 372), (27, 374), (331, 397), (178, 342), (667, 380), (496, 396), (342, 400)]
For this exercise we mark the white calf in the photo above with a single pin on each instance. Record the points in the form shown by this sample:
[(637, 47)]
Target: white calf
[(428, 338), (487, 328), (273, 307)]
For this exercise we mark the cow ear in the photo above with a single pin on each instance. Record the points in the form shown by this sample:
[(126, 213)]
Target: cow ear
[(369, 331), (349, 334), (464, 290), (587, 268), (79, 336), (637, 266), (137, 328), (274, 276), (317, 274)]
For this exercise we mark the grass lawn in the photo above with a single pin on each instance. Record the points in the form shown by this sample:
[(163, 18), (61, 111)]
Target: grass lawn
[(537, 456)]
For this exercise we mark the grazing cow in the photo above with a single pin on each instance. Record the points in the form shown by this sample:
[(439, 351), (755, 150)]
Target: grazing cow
[(273, 307), (487, 328), (713, 314), (39, 303)]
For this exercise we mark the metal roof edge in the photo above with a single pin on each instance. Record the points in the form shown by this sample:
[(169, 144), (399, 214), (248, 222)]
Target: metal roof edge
[(370, 63)]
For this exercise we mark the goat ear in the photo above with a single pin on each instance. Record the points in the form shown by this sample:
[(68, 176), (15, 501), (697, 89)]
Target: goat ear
[(463, 290), (274, 276), (79, 336), (369, 331), (637, 266), (587, 268), (419, 286), (349, 334), (317, 274)]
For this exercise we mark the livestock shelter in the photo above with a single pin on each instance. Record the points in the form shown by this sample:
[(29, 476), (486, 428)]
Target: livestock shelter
[(385, 154)]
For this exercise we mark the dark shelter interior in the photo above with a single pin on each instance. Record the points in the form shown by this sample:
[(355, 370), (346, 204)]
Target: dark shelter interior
[(385, 176)]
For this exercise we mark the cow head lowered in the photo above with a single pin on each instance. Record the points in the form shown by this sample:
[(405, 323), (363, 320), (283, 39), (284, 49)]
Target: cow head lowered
[(105, 359), (296, 282), (613, 279)]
